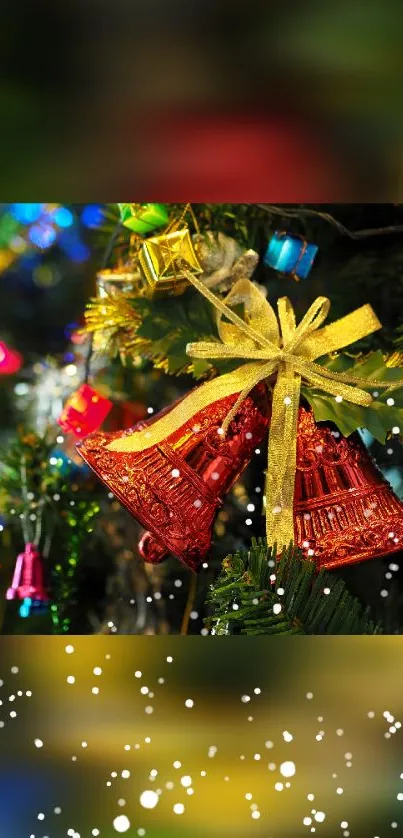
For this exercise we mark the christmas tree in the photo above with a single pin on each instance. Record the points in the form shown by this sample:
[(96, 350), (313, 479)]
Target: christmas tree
[(201, 413)]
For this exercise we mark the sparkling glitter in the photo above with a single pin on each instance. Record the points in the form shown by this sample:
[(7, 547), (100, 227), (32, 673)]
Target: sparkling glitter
[(69, 649), (38, 743), (178, 808), (189, 703), (186, 781), (70, 679)]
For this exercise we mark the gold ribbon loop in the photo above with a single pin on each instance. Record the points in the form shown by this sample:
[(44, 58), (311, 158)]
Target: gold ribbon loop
[(272, 345)]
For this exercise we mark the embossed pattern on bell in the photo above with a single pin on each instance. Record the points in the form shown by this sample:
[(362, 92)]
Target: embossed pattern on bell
[(345, 511)]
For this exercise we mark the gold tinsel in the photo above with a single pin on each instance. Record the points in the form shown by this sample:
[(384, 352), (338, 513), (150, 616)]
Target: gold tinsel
[(114, 323)]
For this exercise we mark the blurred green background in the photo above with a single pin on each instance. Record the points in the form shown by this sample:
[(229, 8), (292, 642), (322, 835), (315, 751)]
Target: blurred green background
[(321, 706), (302, 99)]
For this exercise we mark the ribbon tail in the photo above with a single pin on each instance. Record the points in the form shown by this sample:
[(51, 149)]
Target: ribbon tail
[(196, 400), (282, 457), (263, 373)]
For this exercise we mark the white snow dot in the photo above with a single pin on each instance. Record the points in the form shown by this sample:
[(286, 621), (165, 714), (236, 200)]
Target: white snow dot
[(69, 649), (38, 743), (186, 781), (121, 823), (178, 808), (149, 799), (189, 702), (287, 769)]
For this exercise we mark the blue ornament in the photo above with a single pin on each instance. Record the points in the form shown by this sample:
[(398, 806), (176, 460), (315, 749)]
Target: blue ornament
[(29, 607), (290, 255)]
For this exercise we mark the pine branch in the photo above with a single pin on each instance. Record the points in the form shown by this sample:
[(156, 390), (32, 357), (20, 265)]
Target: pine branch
[(255, 595)]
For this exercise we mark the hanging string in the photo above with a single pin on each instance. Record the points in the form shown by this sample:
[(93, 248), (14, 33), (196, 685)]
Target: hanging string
[(325, 216)]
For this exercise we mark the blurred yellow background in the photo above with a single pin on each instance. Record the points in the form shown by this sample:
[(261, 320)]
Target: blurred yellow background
[(308, 712)]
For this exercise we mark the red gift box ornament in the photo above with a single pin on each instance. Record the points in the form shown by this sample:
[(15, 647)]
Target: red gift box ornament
[(84, 412), (10, 360), (28, 581), (175, 487)]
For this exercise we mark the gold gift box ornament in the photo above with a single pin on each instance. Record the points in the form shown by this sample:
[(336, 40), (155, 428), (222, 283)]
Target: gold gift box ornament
[(164, 261)]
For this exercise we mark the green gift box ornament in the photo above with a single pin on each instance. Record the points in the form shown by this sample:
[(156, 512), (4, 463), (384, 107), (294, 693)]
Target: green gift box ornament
[(143, 218)]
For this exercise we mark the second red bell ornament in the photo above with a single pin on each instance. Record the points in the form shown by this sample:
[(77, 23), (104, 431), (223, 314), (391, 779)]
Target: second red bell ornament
[(344, 510)]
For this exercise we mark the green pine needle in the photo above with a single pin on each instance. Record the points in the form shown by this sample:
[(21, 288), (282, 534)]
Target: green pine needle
[(244, 600)]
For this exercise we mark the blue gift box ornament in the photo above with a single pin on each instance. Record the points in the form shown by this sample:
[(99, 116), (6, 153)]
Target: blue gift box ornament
[(290, 255)]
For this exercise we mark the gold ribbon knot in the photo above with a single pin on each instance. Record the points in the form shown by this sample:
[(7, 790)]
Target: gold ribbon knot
[(272, 346)]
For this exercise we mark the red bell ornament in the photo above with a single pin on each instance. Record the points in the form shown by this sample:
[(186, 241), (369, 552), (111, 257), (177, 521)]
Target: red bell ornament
[(28, 580), (84, 412), (175, 487), (344, 510)]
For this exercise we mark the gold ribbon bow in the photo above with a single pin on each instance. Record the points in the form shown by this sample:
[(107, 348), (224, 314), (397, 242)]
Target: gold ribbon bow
[(271, 346)]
